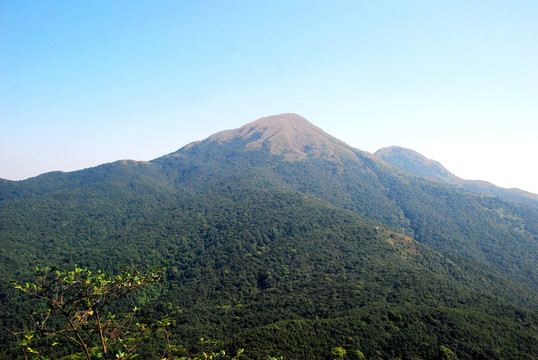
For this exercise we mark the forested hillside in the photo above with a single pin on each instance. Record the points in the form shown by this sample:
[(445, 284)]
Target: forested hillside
[(302, 157), (285, 251)]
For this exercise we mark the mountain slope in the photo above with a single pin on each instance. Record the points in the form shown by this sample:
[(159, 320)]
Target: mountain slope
[(283, 240), (243, 258), (497, 232), (417, 164)]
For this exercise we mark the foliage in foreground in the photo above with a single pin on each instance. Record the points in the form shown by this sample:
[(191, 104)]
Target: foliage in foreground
[(72, 309)]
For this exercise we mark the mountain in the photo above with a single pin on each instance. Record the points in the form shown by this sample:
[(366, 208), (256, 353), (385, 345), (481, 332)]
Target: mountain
[(491, 230), (417, 164), (281, 239)]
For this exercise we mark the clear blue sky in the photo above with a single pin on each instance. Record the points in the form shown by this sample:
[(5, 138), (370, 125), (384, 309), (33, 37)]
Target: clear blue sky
[(88, 82)]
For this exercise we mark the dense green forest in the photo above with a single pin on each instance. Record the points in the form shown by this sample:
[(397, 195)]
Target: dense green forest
[(284, 258), (498, 232)]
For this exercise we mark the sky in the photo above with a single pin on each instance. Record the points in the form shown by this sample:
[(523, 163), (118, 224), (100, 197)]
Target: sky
[(88, 82)]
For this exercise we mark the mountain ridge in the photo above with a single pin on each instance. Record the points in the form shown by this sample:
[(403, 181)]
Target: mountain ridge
[(279, 138), (419, 165)]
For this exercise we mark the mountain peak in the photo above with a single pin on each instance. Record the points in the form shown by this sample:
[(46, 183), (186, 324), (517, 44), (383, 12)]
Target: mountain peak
[(416, 163), (289, 135)]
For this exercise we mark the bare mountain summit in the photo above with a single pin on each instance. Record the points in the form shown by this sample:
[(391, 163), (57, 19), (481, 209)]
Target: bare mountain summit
[(288, 135)]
